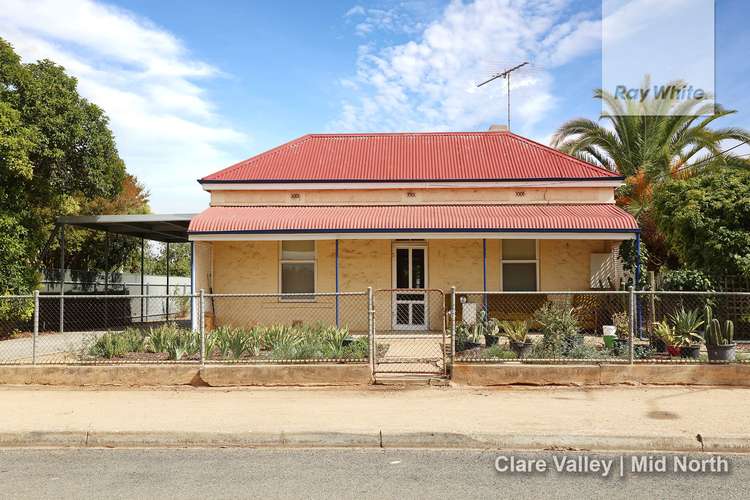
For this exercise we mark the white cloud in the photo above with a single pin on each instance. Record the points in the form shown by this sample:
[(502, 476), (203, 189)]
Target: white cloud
[(167, 130), (429, 83), (395, 20)]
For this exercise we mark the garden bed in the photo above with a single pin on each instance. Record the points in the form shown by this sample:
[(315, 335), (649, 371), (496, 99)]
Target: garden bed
[(276, 343)]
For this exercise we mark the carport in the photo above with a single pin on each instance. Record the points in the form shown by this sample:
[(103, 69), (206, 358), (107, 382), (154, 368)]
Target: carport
[(165, 228)]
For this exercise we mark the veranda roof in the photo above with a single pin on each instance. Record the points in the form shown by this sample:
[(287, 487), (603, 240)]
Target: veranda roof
[(329, 222)]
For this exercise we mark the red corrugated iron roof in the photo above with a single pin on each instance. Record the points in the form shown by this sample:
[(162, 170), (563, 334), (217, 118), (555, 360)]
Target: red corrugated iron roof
[(434, 156), (413, 218)]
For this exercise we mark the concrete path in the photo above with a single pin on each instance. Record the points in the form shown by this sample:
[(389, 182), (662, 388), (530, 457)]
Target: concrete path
[(50, 347), (637, 418)]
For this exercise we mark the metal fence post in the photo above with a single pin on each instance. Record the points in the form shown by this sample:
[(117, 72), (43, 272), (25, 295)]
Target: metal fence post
[(202, 325), (371, 329), (36, 327), (633, 323), (453, 323)]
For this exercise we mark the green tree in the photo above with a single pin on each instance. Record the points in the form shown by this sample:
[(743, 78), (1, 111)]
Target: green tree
[(649, 143), (57, 157), (707, 219), (179, 260)]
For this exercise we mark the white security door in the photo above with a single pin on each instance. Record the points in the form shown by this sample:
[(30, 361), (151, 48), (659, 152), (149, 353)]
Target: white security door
[(410, 275)]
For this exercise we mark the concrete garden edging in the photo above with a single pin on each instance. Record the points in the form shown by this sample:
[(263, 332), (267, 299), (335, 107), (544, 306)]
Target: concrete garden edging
[(99, 375), (323, 374), (134, 375), (479, 374), (289, 375)]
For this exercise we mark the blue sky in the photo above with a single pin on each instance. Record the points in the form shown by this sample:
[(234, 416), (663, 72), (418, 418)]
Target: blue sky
[(191, 87)]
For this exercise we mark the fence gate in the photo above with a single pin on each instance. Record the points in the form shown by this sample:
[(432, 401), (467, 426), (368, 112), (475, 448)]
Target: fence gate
[(410, 332)]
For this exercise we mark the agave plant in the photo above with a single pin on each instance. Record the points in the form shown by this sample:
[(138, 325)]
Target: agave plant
[(182, 344), (686, 324), (516, 331), (160, 338), (281, 337), (333, 341), (665, 333), (108, 346)]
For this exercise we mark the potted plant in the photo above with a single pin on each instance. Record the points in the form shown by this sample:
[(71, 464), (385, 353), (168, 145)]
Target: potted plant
[(488, 328), (621, 322), (686, 324), (559, 327), (665, 333), (719, 342), (609, 334), (466, 337), (517, 333)]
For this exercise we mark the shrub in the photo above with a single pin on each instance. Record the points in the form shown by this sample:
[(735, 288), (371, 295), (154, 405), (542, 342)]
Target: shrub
[(559, 327), (498, 352), (574, 350), (109, 345), (237, 342), (184, 342), (359, 349), (133, 339), (160, 338), (621, 322), (687, 280), (113, 344), (14, 313), (516, 331)]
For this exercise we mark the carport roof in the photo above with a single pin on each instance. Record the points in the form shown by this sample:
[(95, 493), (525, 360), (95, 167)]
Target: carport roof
[(170, 228)]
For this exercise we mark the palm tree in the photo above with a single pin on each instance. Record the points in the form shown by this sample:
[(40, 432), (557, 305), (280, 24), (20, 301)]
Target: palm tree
[(648, 143)]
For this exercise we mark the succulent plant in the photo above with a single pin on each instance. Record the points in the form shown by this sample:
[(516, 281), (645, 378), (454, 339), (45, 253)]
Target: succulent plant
[(665, 333), (516, 331), (686, 324), (715, 335)]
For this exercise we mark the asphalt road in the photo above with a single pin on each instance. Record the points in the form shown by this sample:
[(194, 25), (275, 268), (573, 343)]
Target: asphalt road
[(368, 473)]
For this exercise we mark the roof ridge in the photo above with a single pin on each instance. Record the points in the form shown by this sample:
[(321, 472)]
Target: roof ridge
[(370, 205), (386, 134)]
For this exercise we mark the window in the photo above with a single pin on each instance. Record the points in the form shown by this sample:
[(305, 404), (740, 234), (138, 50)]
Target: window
[(519, 265), (298, 269)]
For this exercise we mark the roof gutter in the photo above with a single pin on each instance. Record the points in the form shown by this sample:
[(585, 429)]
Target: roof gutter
[(459, 233), (287, 185)]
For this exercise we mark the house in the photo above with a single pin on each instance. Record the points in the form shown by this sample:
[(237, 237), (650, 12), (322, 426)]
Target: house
[(421, 211)]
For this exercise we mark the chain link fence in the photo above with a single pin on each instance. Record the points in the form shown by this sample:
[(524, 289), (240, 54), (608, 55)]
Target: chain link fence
[(286, 328), (238, 328), (396, 331), (544, 327), (600, 326)]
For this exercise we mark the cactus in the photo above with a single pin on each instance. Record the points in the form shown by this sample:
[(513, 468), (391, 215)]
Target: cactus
[(729, 332), (715, 336)]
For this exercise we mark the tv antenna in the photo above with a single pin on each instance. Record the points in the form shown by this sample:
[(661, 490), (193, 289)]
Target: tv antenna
[(505, 74)]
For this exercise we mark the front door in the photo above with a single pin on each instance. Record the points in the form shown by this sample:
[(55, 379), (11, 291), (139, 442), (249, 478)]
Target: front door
[(410, 275)]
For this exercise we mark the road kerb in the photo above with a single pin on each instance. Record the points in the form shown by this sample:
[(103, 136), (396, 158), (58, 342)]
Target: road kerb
[(376, 439)]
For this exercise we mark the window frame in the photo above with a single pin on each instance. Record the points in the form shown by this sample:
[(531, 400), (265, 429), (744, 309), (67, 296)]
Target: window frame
[(535, 261), (314, 261)]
